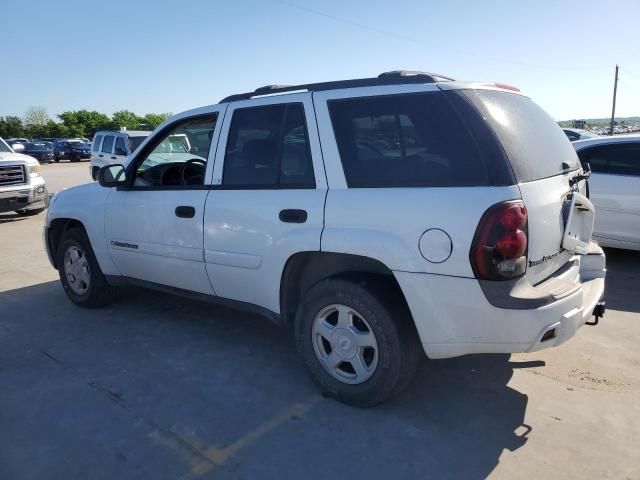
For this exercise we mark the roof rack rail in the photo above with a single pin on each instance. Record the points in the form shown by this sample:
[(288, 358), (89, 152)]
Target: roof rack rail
[(396, 77)]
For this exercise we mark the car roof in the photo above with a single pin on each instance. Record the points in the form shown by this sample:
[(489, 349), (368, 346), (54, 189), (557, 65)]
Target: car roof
[(589, 142), (129, 133)]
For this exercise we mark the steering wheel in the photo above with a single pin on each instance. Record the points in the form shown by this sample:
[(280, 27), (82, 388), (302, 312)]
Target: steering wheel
[(199, 176)]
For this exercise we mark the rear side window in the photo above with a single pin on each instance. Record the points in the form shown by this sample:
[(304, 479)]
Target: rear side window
[(95, 146), (268, 146), (120, 149), (616, 158), (413, 140), (536, 146), (107, 144)]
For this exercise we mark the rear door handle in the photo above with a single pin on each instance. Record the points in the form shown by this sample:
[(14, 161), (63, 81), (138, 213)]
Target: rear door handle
[(101, 155), (184, 211), (293, 216), (113, 158)]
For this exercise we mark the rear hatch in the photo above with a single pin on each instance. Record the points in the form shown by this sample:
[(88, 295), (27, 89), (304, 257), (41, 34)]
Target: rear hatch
[(543, 163)]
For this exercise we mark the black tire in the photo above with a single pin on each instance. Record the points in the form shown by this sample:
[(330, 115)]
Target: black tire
[(94, 173), (99, 292), (30, 213), (56, 159), (73, 158), (399, 348)]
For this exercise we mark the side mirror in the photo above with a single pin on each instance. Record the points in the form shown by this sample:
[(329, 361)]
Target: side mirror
[(18, 147), (112, 176)]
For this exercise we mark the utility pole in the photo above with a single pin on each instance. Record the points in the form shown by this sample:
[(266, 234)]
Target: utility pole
[(613, 109)]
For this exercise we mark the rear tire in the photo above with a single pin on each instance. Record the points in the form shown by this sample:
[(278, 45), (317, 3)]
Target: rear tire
[(80, 274), (370, 310)]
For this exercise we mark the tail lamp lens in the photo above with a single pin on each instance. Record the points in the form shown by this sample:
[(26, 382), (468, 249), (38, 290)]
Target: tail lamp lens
[(499, 249)]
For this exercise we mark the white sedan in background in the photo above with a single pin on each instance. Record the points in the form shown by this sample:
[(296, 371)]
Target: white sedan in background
[(614, 188)]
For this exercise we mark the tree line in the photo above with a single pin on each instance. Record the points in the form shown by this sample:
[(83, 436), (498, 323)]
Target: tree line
[(36, 123)]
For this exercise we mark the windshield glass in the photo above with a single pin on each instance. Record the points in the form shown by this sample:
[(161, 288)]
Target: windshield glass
[(134, 142), (4, 148), (536, 146)]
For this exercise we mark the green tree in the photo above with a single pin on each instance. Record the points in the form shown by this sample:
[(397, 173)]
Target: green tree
[(125, 118), (84, 123), (151, 120), (36, 116), (11, 127)]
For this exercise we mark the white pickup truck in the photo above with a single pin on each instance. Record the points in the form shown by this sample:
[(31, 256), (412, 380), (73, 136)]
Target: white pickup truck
[(379, 218), (22, 189)]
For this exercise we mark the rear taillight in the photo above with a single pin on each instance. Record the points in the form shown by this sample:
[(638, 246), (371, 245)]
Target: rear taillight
[(499, 249)]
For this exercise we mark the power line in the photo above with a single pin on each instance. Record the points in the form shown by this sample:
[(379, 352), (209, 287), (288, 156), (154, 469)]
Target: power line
[(420, 42)]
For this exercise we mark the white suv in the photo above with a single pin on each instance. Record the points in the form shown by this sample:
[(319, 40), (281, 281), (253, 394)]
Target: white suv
[(379, 218), (109, 148)]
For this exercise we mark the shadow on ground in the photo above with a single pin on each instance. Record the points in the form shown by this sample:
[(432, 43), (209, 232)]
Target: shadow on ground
[(623, 280), (156, 386), (11, 217)]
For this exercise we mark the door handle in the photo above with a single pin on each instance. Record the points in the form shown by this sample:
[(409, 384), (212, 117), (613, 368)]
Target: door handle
[(113, 158), (293, 216), (184, 211), (101, 155)]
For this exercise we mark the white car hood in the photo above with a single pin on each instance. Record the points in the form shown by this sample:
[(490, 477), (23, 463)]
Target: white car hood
[(16, 158)]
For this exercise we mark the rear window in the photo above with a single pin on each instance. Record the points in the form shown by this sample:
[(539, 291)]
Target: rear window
[(411, 140), (536, 146)]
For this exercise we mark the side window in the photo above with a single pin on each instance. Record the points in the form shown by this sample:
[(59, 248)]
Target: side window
[(617, 158), (178, 154), (120, 149), (268, 146), (107, 144), (96, 143), (413, 140)]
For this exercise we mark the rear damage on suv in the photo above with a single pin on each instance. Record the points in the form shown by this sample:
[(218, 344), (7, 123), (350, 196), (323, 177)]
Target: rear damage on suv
[(538, 275)]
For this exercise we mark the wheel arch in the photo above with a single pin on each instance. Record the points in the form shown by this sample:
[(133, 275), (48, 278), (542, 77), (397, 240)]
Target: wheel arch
[(305, 269), (57, 228)]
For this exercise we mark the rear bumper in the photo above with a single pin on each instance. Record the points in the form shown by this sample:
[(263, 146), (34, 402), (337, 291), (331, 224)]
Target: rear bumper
[(454, 317)]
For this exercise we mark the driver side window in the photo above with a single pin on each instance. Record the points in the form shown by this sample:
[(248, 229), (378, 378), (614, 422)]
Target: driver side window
[(178, 156)]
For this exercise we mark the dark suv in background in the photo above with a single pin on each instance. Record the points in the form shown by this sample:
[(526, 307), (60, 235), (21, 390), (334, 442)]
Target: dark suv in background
[(74, 150), (41, 151)]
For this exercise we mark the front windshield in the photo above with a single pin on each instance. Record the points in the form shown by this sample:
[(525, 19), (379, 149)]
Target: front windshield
[(4, 148)]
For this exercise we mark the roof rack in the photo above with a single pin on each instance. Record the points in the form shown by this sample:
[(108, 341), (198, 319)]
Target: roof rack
[(396, 77)]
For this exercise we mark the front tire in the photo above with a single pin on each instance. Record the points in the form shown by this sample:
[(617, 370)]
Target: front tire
[(358, 342), (80, 274)]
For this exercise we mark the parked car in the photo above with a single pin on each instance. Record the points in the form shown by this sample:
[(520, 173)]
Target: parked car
[(110, 148), (43, 152), (46, 140), (73, 149), (16, 141), (574, 134), (22, 189), (614, 188), (380, 219)]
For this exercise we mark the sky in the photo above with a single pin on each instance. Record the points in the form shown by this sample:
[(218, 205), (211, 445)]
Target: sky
[(161, 56)]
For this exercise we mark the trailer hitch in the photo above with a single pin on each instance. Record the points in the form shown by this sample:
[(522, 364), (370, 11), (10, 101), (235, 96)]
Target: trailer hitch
[(598, 313)]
